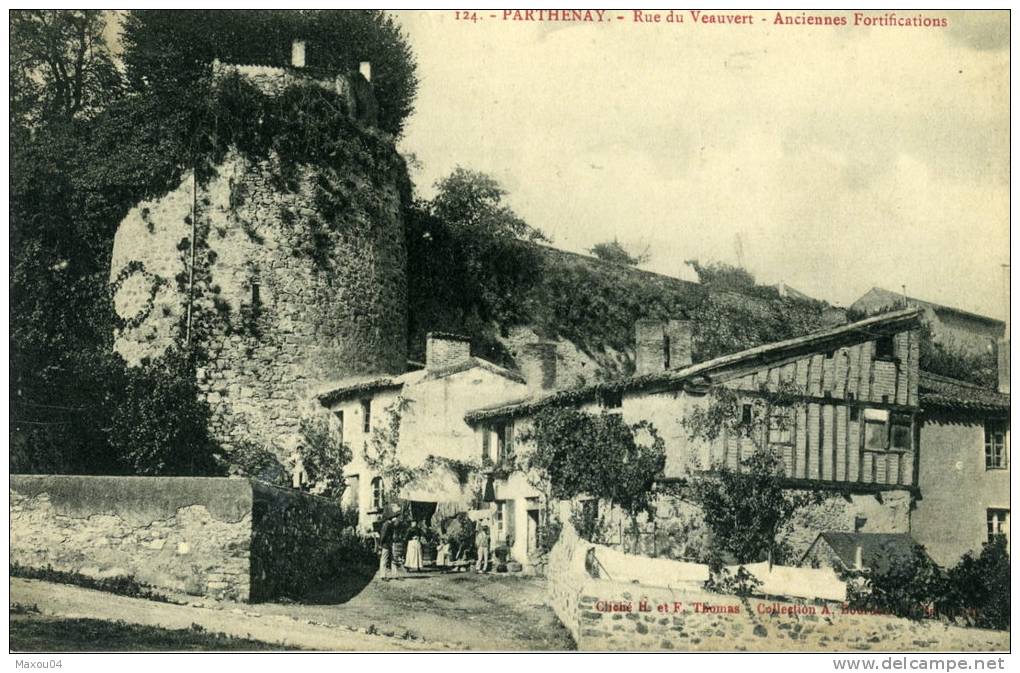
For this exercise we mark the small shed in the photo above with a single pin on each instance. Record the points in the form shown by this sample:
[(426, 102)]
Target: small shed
[(856, 551)]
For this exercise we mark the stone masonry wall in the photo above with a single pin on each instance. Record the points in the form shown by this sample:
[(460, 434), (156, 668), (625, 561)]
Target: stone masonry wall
[(284, 300), (184, 534), (607, 615), (224, 538)]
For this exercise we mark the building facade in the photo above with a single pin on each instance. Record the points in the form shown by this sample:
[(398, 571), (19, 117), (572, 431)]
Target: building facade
[(970, 332), (852, 427), (963, 468)]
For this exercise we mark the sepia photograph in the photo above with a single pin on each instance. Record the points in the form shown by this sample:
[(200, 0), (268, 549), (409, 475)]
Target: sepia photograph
[(510, 330)]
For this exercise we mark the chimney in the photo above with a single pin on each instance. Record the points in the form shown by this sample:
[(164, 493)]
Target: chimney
[(365, 68), (446, 350), (858, 557), (660, 346), (678, 343), (537, 362), (297, 53)]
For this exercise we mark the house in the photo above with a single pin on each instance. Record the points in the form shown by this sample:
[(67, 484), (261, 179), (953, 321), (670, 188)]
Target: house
[(852, 430), (971, 332), (416, 419), (857, 551), (963, 471)]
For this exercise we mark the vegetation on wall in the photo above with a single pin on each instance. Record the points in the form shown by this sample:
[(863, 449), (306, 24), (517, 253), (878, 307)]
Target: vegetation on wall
[(475, 269), (86, 146), (613, 251), (747, 509), (169, 52)]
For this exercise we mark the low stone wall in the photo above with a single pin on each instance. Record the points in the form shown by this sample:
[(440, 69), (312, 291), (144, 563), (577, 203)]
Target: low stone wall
[(223, 538), (609, 615)]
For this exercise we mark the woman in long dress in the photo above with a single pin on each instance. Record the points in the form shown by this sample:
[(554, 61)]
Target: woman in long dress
[(413, 557)]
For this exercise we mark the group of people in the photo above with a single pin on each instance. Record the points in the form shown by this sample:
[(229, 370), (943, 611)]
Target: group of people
[(413, 557)]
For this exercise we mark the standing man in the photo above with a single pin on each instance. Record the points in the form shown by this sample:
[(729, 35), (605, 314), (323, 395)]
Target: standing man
[(482, 549), (386, 548)]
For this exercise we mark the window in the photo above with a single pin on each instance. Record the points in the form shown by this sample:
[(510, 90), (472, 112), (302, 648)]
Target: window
[(995, 445), (855, 412), (340, 424), (746, 415), (884, 431), (256, 299), (876, 429), (366, 416), (998, 524), (781, 427), (885, 348), (901, 433), (504, 442), (486, 445), (378, 494)]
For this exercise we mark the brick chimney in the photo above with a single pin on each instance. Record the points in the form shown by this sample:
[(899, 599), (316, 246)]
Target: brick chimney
[(660, 346), (297, 53), (679, 334), (446, 350), (537, 362)]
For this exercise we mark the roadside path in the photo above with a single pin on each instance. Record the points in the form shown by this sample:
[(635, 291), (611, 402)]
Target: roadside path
[(245, 621)]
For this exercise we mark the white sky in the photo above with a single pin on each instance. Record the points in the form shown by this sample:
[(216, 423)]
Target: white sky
[(840, 158)]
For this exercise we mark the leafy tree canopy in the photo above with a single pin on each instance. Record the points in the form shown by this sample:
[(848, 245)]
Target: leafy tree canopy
[(598, 455), (167, 51)]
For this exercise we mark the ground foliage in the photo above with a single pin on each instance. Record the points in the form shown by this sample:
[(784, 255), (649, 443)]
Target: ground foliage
[(974, 592), (53, 634)]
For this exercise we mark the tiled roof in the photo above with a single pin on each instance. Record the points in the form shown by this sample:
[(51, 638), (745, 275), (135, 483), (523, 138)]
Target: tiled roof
[(946, 393), (346, 390), (878, 550), (704, 372), (899, 298), (349, 389)]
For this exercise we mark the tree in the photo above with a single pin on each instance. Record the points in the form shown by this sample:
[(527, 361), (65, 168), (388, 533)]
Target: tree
[(323, 457), (613, 251), (747, 509), (577, 453), (168, 52), (61, 67), (469, 261)]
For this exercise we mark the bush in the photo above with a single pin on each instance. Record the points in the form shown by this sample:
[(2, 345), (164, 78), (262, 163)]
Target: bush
[(323, 457), (250, 459), (909, 586), (978, 592), (974, 592)]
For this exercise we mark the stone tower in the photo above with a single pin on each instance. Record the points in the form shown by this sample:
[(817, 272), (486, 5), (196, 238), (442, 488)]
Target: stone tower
[(288, 289)]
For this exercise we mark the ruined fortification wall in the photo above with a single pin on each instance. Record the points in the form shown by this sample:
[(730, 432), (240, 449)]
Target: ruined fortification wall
[(300, 279)]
